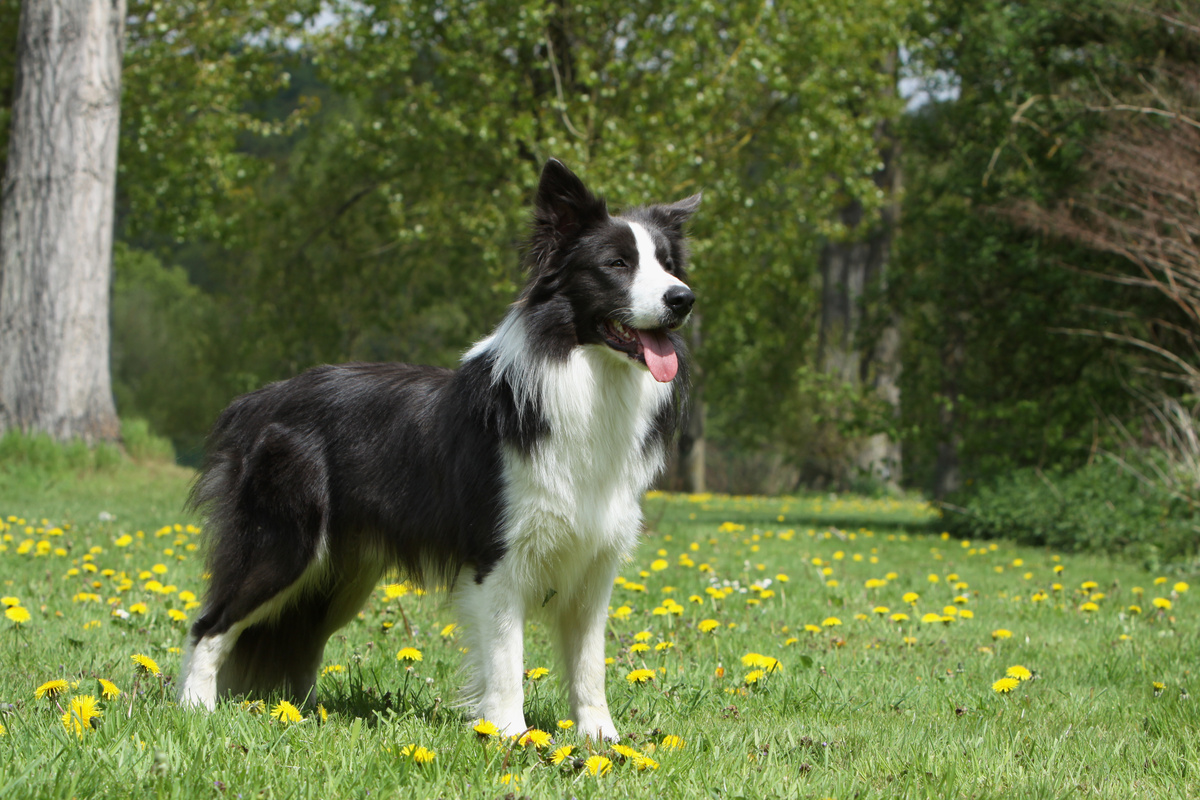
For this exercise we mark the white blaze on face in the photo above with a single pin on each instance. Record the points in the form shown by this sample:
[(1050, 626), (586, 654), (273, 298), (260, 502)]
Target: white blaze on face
[(650, 283)]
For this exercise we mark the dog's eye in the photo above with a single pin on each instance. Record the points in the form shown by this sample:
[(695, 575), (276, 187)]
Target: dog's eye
[(618, 262)]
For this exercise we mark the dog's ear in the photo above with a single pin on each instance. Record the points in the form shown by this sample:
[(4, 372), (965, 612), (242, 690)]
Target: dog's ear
[(673, 216), (563, 208)]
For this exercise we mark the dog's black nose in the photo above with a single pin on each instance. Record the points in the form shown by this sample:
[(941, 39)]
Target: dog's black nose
[(679, 299)]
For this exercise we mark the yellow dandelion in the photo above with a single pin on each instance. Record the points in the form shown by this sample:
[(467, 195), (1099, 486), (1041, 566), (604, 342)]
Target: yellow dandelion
[(1005, 685), (19, 615), (537, 673), (50, 689), (146, 665), (639, 647), (82, 714), (485, 728), (419, 754), (1181, 587), (409, 654), (640, 675), (1001, 633), (622, 613), (566, 724), (109, 690), (1089, 607), (672, 742), (598, 765), (561, 754), (753, 677), (911, 598), (1163, 603), (286, 713), (830, 622), (931, 617), (644, 762), (625, 751), (394, 591), (708, 625), (1019, 672), (535, 737), (659, 564), (899, 617), (9, 601)]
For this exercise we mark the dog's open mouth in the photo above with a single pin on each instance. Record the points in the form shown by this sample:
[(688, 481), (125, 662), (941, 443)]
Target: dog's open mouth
[(650, 347)]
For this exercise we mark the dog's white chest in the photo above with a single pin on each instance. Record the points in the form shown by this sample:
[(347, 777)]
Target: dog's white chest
[(578, 493)]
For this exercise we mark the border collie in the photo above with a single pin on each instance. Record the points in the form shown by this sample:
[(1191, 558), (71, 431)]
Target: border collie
[(514, 480)]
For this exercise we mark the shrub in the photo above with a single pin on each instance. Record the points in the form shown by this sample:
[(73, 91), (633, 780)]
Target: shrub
[(1099, 507)]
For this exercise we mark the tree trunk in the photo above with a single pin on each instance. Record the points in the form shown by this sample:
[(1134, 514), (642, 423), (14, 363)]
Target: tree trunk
[(848, 270), (56, 224), (691, 436)]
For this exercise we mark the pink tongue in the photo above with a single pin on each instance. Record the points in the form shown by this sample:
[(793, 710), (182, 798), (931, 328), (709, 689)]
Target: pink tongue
[(660, 355)]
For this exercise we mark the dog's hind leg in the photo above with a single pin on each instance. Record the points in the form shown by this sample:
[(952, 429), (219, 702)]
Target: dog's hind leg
[(283, 653), (270, 547)]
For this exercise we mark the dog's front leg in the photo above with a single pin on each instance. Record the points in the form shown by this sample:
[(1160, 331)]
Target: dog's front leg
[(581, 621), (493, 616)]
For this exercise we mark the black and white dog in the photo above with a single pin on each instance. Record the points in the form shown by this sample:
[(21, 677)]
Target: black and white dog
[(513, 479)]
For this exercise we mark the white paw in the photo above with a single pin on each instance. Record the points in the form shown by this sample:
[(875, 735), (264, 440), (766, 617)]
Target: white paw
[(596, 725)]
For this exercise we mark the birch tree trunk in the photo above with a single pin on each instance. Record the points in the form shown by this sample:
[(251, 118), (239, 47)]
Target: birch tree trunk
[(56, 224)]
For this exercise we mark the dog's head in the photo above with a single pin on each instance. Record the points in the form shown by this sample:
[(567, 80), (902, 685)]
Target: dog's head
[(612, 281)]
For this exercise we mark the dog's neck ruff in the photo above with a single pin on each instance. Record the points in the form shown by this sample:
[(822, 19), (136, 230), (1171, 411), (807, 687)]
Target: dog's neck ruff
[(592, 385)]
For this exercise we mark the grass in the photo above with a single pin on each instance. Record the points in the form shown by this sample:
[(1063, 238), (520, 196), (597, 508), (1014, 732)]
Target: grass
[(869, 707)]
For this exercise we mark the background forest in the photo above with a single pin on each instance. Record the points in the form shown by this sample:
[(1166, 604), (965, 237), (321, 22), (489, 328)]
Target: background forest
[(949, 246)]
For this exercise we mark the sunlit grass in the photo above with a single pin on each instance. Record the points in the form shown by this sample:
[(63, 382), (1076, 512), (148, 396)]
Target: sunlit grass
[(758, 647)]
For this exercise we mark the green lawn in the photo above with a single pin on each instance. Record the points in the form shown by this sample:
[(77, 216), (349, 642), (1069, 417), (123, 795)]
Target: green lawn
[(840, 701)]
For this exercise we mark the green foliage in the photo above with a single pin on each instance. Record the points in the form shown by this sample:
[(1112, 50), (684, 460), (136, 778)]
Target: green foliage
[(38, 456), (988, 369), (167, 347), (1099, 507), (142, 445)]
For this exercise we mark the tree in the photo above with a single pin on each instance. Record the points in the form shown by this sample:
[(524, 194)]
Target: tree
[(56, 225)]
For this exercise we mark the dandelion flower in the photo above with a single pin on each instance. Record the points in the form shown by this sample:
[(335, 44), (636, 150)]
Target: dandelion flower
[(537, 673), (394, 591), (1019, 672), (109, 690), (50, 689), (830, 622), (640, 675), (566, 724), (899, 617), (82, 714), (708, 625), (561, 754), (1159, 687), (1163, 603), (644, 762), (146, 665), (286, 713), (753, 677), (911, 598), (9, 601), (535, 737), (409, 654), (419, 754), (1001, 633), (1005, 685), (1181, 587), (18, 614), (1089, 607), (639, 647), (625, 751), (485, 728), (931, 617), (598, 765), (672, 742)]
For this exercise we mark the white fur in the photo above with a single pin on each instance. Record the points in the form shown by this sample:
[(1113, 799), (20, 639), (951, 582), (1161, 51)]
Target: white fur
[(650, 283), (572, 516)]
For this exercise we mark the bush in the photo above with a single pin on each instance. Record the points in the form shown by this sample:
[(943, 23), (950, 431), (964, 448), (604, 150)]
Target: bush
[(1099, 507)]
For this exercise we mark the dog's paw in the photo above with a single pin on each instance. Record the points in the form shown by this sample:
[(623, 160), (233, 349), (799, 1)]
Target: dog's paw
[(596, 725)]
